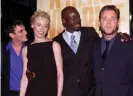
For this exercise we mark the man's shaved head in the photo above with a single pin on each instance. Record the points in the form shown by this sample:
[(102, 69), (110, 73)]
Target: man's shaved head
[(71, 19), (67, 10)]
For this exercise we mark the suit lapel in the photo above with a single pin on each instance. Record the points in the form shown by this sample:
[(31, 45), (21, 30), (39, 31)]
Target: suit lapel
[(81, 42), (64, 44), (113, 50), (98, 53)]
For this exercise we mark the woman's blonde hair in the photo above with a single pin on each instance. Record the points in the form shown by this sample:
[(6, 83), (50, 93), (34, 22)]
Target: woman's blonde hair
[(39, 13)]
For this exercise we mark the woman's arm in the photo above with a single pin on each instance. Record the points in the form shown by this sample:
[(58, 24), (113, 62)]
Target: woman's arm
[(24, 80), (59, 65)]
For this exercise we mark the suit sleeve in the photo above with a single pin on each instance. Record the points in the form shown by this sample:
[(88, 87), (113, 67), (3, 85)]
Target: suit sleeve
[(4, 73), (2, 59), (93, 35), (131, 69), (96, 36)]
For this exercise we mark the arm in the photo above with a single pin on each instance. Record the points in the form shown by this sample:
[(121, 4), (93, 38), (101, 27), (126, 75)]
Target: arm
[(131, 76), (125, 37), (24, 80), (5, 63), (130, 69), (94, 36), (59, 65)]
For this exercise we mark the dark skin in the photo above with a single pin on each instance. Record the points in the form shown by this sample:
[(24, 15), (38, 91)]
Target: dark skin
[(30, 75), (72, 22), (71, 19)]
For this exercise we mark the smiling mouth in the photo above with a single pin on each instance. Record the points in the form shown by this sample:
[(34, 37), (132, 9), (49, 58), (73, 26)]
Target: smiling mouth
[(40, 32), (77, 24)]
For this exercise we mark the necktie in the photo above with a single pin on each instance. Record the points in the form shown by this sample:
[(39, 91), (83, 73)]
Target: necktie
[(105, 53), (73, 44)]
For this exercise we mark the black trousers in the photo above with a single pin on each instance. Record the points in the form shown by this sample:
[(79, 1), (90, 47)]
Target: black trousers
[(14, 93)]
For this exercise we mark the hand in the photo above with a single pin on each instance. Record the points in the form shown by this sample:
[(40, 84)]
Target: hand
[(125, 37), (30, 75)]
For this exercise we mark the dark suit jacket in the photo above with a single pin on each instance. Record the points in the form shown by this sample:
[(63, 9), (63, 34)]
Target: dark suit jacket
[(116, 79), (5, 71), (78, 75)]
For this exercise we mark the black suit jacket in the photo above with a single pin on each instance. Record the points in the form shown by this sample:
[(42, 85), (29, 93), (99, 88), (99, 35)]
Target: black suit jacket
[(116, 79), (78, 74), (5, 70)]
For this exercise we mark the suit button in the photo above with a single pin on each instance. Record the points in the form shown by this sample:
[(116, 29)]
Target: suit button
[(78, 80), (102, 69)]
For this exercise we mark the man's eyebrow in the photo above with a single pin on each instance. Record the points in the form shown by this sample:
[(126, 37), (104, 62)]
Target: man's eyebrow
[(103, 16)]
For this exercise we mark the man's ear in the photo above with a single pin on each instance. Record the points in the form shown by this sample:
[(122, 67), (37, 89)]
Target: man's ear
[(118, 23), (11, 35), (99, 23), (63, 22), (32, 25)]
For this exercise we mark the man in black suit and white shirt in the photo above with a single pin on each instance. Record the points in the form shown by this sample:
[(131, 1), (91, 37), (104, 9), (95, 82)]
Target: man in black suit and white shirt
[(76, 43)]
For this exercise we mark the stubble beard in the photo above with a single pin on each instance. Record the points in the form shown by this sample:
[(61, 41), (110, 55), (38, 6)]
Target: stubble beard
[(113, 31)]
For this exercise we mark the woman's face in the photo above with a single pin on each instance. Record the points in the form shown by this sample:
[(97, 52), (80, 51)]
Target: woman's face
[(40, 27)]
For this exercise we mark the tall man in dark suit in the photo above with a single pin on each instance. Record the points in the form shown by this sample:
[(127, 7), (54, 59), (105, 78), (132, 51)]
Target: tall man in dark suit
[(76, 43), (113, 60)]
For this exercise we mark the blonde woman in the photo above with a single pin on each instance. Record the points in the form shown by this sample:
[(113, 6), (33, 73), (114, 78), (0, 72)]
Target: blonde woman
[(43, 58)]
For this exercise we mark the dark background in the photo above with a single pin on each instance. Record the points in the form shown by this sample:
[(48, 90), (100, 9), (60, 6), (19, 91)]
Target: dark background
[(131, 13), (17, 9), (23, 9)]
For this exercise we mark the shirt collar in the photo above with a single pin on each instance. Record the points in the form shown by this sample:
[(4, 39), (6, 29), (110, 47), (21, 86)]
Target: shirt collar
[(75, 33), (9, 45), (111, 41)]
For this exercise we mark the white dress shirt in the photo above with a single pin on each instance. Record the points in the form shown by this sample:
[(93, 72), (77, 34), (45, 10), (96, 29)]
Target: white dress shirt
[(67, 36)]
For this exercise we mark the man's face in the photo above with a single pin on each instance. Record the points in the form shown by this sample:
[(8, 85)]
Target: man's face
[(19, 34), (108, 22), (72, 20)]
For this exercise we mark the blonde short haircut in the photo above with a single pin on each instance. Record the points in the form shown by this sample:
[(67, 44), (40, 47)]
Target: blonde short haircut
[(39, 13)]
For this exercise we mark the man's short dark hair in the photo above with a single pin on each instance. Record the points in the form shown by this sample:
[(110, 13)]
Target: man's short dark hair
[(110, 8), (10, 27), (67, 10)]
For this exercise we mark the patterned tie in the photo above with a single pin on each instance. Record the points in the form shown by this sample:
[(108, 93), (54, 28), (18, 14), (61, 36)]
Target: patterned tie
[(73, 44)]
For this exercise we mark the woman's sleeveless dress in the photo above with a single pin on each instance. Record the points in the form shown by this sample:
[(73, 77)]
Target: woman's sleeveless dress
[(41, 61)]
